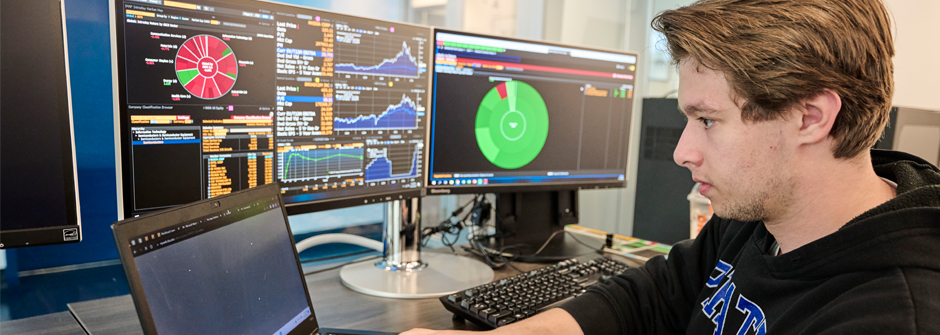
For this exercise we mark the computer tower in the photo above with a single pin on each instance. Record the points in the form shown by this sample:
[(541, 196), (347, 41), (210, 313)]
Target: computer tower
[(662, 211)]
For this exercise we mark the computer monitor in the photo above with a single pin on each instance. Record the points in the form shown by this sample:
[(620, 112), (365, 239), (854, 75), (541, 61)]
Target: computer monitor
[(531, 121), (218, 96), (39, 188)]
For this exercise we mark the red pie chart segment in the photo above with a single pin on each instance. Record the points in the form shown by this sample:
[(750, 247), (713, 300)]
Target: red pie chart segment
[(206, 66)]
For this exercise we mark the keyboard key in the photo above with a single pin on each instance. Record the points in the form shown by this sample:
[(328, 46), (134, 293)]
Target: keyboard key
[(478, 307), (505, 321), (499, 315)]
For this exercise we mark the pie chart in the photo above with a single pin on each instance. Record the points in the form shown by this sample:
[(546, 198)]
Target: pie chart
[(206, 66), (511, 124)]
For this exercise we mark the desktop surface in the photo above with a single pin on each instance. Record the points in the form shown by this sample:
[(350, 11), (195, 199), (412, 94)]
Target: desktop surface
[(336, 306)]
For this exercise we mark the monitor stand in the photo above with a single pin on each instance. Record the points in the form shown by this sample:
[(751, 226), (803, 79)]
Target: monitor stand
[(406, 272), (525, 220)]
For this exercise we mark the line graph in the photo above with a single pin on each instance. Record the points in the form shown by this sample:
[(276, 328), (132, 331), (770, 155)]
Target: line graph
[(393, 162), (399, 116), (300, 165), (402, 64)]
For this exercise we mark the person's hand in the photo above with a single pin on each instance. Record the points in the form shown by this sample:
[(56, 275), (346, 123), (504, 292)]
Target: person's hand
[(553, 321), (422, 331)]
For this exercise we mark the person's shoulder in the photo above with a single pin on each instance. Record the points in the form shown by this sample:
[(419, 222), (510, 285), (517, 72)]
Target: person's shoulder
[(924, 286), (890, 301)]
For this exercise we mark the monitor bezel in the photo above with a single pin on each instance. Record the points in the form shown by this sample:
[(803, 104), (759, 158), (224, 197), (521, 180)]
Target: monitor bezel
[(73, 218), (122, 136), (520, 187)]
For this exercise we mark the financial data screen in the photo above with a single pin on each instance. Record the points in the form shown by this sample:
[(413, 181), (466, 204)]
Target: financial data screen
[(222, 96), (512, 112)]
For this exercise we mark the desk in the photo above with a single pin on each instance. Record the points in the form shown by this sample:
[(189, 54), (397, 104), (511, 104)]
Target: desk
[(335, 306), (52, 324)]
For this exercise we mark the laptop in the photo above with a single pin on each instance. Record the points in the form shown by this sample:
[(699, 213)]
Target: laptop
[(225, 265)]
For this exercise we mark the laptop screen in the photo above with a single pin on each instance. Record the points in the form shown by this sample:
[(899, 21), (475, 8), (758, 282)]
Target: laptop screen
[(231, 272)]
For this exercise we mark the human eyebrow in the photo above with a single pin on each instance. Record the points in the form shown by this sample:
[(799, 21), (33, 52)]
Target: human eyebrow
[(699, 110)]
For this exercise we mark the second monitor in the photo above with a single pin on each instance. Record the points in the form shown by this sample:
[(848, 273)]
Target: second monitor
[(531, 121)]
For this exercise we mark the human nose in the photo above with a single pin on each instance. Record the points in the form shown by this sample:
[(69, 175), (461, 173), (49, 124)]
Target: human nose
[(687, 153)]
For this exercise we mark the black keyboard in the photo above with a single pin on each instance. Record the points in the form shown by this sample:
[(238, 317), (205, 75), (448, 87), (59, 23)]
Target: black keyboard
[(518, 297)]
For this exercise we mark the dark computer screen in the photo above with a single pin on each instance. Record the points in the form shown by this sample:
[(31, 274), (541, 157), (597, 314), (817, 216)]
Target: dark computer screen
[(511, 113), (230, 272), (222, 96), (38, 189)]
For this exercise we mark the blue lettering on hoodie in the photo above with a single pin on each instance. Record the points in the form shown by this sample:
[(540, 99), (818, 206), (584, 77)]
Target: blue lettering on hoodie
[(716, 306)]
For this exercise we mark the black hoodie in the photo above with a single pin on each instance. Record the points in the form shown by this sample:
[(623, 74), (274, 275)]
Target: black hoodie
[(879, 274)]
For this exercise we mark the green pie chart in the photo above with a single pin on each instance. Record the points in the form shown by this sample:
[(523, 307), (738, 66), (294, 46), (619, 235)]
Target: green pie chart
[(512, 124)]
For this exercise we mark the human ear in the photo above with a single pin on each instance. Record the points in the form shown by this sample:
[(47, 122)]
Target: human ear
[(818, 115)]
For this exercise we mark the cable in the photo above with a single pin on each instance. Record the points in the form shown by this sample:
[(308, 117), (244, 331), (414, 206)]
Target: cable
[(494, 259), (535, 258), (507, 261), (477, 249), (569, 234), (546, 242), (453, 226), (448, 227), (486, 257)]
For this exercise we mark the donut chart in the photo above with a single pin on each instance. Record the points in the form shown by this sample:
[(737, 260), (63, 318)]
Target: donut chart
[(511, 124), (206, 67)]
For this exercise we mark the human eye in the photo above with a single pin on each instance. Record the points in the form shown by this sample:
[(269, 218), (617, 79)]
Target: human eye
[(707, 122)]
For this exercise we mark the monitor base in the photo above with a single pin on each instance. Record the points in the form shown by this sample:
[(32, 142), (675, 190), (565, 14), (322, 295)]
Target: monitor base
[(443, 274)]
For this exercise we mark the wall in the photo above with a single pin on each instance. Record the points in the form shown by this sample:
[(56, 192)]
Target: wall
[(594, 23), (917, 33), (496, 17)]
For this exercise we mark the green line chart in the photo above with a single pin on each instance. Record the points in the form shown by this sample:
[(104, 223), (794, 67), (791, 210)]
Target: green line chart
[(302, 165)]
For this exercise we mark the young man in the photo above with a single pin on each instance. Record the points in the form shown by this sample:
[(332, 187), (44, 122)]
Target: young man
[(814, 233)]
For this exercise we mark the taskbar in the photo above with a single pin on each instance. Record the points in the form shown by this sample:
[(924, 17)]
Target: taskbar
[(471, 180)]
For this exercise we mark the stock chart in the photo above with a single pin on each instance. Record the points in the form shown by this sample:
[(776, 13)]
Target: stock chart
[(221, 96)]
